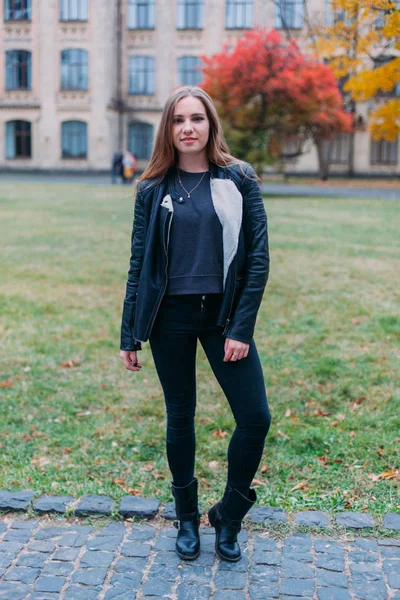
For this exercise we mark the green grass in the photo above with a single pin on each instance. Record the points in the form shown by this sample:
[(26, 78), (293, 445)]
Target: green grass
[(328, 337)]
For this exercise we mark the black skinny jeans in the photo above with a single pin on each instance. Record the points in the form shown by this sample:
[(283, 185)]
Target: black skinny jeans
[(179, 322)]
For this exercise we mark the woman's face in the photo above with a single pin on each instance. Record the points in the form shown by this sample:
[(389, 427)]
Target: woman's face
[(191, 127)]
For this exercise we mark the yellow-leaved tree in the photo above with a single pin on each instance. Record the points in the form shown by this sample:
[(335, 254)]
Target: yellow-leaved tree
[(361, 43)]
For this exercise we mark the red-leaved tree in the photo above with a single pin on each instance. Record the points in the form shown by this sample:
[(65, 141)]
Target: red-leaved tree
[(268, 94)]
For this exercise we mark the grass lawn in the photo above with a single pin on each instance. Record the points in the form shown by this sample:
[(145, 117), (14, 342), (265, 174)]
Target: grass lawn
[(73, 421)]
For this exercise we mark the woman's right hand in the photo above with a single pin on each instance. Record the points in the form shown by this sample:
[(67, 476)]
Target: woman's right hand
[(129, 358)]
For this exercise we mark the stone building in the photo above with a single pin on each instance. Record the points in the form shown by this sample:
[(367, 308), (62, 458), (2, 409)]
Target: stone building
[(81, 79)]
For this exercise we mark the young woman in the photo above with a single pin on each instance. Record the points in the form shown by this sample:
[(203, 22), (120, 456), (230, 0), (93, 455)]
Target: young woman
[(199, 266)]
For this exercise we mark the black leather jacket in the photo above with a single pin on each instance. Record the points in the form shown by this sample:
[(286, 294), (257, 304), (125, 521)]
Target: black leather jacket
[(240, 208)]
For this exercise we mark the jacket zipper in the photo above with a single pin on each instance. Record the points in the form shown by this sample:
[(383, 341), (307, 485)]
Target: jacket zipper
[(227, 322), (166, 273)]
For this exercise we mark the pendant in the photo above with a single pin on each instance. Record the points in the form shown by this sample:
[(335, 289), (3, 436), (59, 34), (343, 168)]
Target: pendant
[(188, 195)]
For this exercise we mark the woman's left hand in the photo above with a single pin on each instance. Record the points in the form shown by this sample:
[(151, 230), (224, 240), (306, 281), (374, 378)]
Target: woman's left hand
[(235, 350)]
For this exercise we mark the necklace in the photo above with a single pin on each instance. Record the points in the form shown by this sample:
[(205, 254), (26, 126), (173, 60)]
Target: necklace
[(188, 193)]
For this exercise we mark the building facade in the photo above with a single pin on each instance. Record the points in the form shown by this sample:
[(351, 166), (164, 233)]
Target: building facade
[(82, 79)]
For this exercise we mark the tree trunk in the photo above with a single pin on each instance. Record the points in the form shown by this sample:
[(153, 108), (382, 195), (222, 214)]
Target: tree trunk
[(350, 167), (324, 148)]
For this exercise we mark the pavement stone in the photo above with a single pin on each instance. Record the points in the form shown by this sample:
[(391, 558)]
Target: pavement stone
[(13, 591), (125, 560), (392, 521), (49, 584), (75, 592), (190, 592), (330, 562), (15, 500), (312, 518), (52, 504), (268, 515), (135, 506), (355, 520), (94, 504)]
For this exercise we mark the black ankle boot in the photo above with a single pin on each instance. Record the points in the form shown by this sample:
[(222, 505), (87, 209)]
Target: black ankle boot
[(188, 520), (226, 516)]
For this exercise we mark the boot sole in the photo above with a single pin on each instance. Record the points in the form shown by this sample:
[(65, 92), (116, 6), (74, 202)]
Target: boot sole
[(223, 557), (184, 557)]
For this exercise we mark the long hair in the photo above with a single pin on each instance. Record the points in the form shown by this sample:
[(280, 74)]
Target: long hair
[(164, 153)]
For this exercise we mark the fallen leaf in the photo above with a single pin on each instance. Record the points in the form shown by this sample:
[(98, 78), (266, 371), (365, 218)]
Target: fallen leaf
[(288, 413), (334, 423), (299, 486), (84, 414), (310, 404), (257, 482), (73, 362), (340, 417), (119, 481), (264, 468), (279, 432), (352, 434), (385, 475), (66, 450), (219, 433), (103, 385), (321, 413), (40, 461), (6, 384)]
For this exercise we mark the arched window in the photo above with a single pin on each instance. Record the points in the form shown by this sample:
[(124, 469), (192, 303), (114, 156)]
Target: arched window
[(140, 139), (18, 139), (74, 69), (18, 70), (189, 70), (74, 10), (74, 139), (17, 10), (141, 75)]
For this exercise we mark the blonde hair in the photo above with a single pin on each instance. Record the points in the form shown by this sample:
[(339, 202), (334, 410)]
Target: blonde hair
[(164, 153)]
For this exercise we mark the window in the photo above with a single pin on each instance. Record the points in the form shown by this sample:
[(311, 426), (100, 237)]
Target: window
[(17, 10), (384, 152), (190, 14), (189, 70), (74, 139), (141, 75), (289, 14), (18, 139), (74, 10), (340, 151), (141, 14), (239, 14), (74, 69), (140, 139), (18, 70)]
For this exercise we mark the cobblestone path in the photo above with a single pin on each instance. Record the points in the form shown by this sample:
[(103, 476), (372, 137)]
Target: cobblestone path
[(125, 561)]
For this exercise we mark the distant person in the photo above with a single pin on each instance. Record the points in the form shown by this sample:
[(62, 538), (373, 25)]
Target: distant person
[(199, 266), (116, 168), (129, 164), (134, 166)]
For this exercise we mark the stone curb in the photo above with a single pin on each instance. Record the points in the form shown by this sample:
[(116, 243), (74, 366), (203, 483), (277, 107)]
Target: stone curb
[(148, 508)]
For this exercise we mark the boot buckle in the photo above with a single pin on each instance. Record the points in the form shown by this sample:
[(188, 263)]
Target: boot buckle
[(176, 524)]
